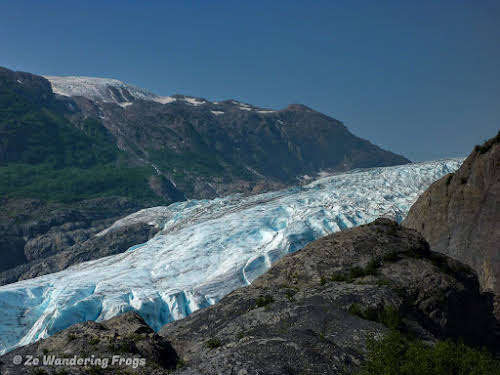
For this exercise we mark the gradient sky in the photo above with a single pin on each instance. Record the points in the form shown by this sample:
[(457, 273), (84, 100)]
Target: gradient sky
[(421, 78)]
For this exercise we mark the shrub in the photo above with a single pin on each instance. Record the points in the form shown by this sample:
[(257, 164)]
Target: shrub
[(390, 257), (290, 294), (371, 267), (388, 316), (396, 354), (264, 300), (356, 272), (213, 343)]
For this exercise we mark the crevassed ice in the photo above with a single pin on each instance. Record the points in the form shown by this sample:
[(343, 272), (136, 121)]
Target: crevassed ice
[(206, 249)]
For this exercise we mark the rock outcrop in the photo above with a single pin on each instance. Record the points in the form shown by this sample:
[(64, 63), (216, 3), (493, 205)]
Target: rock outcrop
[(104, 345), (38, 237), (459, 215), (310, 313)]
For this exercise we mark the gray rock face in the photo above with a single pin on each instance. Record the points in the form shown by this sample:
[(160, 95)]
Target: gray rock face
[(310, 313), (459, 215), (39, 238), (126, 336)]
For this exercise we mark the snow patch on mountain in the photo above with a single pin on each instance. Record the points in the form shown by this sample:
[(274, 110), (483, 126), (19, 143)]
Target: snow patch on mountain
[(206, 249), (193, 101), (103, 89), (110, 90)]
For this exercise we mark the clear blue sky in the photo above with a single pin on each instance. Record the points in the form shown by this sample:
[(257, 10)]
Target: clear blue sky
[(421, 78)]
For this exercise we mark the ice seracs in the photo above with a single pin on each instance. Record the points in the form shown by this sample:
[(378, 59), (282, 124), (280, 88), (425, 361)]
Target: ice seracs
[(205, 249)]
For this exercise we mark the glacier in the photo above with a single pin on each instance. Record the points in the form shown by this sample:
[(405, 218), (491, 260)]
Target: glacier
[(205, 249)]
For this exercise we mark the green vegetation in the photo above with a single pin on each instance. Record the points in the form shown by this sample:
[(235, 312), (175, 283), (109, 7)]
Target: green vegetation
[(73, 184), (486, 146), (388, 316), (71, 336), (392, 256), (213, 343), (43, 155), (370, 269), (396, 354), (44, 137), (339, 277), (180, 364), (199, 163), (264, 300), (290, 294)]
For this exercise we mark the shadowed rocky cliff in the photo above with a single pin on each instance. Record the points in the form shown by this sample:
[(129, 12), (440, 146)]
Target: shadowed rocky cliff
[(459, 215)]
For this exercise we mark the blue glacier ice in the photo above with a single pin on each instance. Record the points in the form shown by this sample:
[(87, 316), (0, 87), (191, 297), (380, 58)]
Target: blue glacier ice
[(206, 249)]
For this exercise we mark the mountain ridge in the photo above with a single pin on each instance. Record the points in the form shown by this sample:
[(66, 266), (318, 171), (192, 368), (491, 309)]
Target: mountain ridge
[(105, 89), (203, 148)]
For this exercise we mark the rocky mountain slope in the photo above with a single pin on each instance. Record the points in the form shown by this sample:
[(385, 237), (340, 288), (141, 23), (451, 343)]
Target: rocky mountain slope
[(459, 215), (38, 237), (210, 149), (310, 313)]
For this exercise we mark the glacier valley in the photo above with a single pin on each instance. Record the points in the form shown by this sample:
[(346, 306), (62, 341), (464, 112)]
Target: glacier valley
[(205, 249)]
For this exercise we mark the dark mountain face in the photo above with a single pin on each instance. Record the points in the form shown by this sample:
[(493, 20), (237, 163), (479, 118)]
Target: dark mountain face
[(215, 149)]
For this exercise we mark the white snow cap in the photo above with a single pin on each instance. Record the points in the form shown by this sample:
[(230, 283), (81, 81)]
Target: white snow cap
[(110, 90), (103, 89)]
